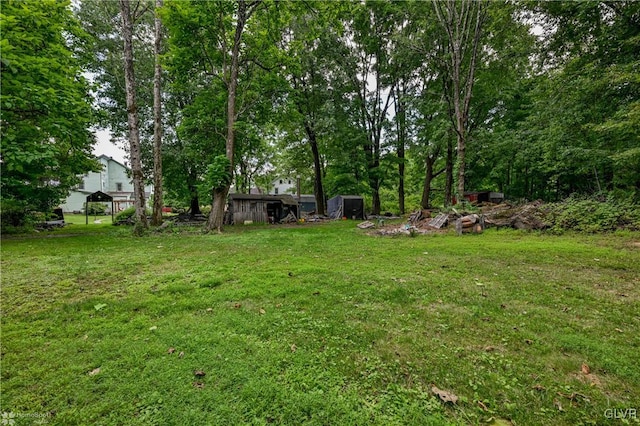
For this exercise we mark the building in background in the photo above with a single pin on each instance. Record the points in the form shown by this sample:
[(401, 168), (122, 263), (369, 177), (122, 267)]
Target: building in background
[(282, 185), (114, 180)]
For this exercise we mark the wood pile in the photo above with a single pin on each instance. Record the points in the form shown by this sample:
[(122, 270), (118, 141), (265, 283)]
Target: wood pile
[(470, 223), (522, 216)]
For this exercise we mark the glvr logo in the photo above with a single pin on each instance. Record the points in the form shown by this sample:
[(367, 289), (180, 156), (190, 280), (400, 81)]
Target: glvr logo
[(619, 413)]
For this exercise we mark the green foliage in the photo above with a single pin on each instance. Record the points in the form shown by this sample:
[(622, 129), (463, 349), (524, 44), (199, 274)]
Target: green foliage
[(96, 208), (218, 174), (45, 107), (15, 216), (128, 214), (594, 214), (125, 214)]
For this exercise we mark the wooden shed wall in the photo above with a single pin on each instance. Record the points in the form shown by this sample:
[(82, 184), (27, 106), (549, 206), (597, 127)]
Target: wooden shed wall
[(255, 211)]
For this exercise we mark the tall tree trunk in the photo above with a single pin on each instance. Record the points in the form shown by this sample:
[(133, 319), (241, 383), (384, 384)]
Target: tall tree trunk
[(156, 219), (448, 186), (216, 217), (318, 189), (194, 204), (401, 131), (462, 22), (425, 202), (132, 119)]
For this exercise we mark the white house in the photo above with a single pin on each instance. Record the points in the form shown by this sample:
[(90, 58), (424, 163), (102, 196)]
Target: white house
[(114, 180), (282, 185)]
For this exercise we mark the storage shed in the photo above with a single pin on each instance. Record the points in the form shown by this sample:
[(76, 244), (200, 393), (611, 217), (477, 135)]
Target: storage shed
[(307, 203), (483, 197), (349, 206), (261, 208)]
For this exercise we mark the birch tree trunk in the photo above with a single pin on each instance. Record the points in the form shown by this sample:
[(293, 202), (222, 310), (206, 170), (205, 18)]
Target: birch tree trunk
[(462, 23), (132, 119), (156, 219)]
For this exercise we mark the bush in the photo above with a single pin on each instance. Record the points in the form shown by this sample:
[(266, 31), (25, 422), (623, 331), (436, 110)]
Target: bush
[(15, 216), (96, 209), (128, 214), (600, 213)]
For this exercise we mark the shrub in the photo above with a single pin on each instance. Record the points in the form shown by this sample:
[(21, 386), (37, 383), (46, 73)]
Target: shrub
[(600, 213), (96, 209), (15, 216), (127, 214)]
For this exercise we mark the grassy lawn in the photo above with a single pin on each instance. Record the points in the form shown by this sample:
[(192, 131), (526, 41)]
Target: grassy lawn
[(80, 219), (319, 324)]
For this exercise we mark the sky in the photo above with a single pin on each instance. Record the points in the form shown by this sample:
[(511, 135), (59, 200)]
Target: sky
[(104, 146)]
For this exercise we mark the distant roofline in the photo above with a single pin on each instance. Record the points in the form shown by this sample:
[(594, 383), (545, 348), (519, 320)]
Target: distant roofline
[(106, 157)]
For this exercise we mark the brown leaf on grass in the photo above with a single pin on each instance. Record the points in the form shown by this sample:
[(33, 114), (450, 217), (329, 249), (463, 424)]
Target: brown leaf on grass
[(585, 369), (444, 395), (262, 311), (539, 387), (528, 341), (294, 348), (573, 396), (199, 373), (237, 305), (198, 385), (171, 350), (181, 355), (484, 407), (94, 371), (556, 402)]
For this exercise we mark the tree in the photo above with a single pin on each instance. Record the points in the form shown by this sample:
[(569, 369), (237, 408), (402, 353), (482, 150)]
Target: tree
[(156, 219), (45, 112), (462, 23), (368, 42), (308, 46), (132, 117)]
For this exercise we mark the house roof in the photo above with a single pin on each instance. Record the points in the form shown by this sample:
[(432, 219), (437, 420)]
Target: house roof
[(284, 198), (106, 157)]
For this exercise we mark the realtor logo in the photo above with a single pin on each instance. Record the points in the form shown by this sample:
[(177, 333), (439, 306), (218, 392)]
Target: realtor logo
[(621, 413), (8, 419)]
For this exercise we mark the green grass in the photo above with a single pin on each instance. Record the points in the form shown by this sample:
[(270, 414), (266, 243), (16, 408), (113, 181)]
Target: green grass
[(80, 219), (319, 324)]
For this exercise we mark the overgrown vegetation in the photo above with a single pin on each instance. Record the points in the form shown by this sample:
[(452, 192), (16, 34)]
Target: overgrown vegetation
[(594, 214), (319, 324)]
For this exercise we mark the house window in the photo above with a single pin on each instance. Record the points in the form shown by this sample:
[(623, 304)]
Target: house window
[(275, 190), (280, 181), (119, 187), (289, 182)]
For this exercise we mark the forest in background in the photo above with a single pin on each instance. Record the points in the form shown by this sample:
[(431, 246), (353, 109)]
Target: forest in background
[(408, 103)]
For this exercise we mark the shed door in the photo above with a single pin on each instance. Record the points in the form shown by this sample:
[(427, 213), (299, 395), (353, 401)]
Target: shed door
[(353, 209)]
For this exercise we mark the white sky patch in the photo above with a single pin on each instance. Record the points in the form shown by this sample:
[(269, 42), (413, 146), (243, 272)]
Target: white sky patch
[(104, 146)]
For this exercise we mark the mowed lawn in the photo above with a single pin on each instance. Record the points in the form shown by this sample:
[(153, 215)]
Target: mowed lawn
[(319, 324)]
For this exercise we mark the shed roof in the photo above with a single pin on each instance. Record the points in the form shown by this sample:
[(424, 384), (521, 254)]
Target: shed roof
[(349, 197), (99, 196), (285, 199)]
